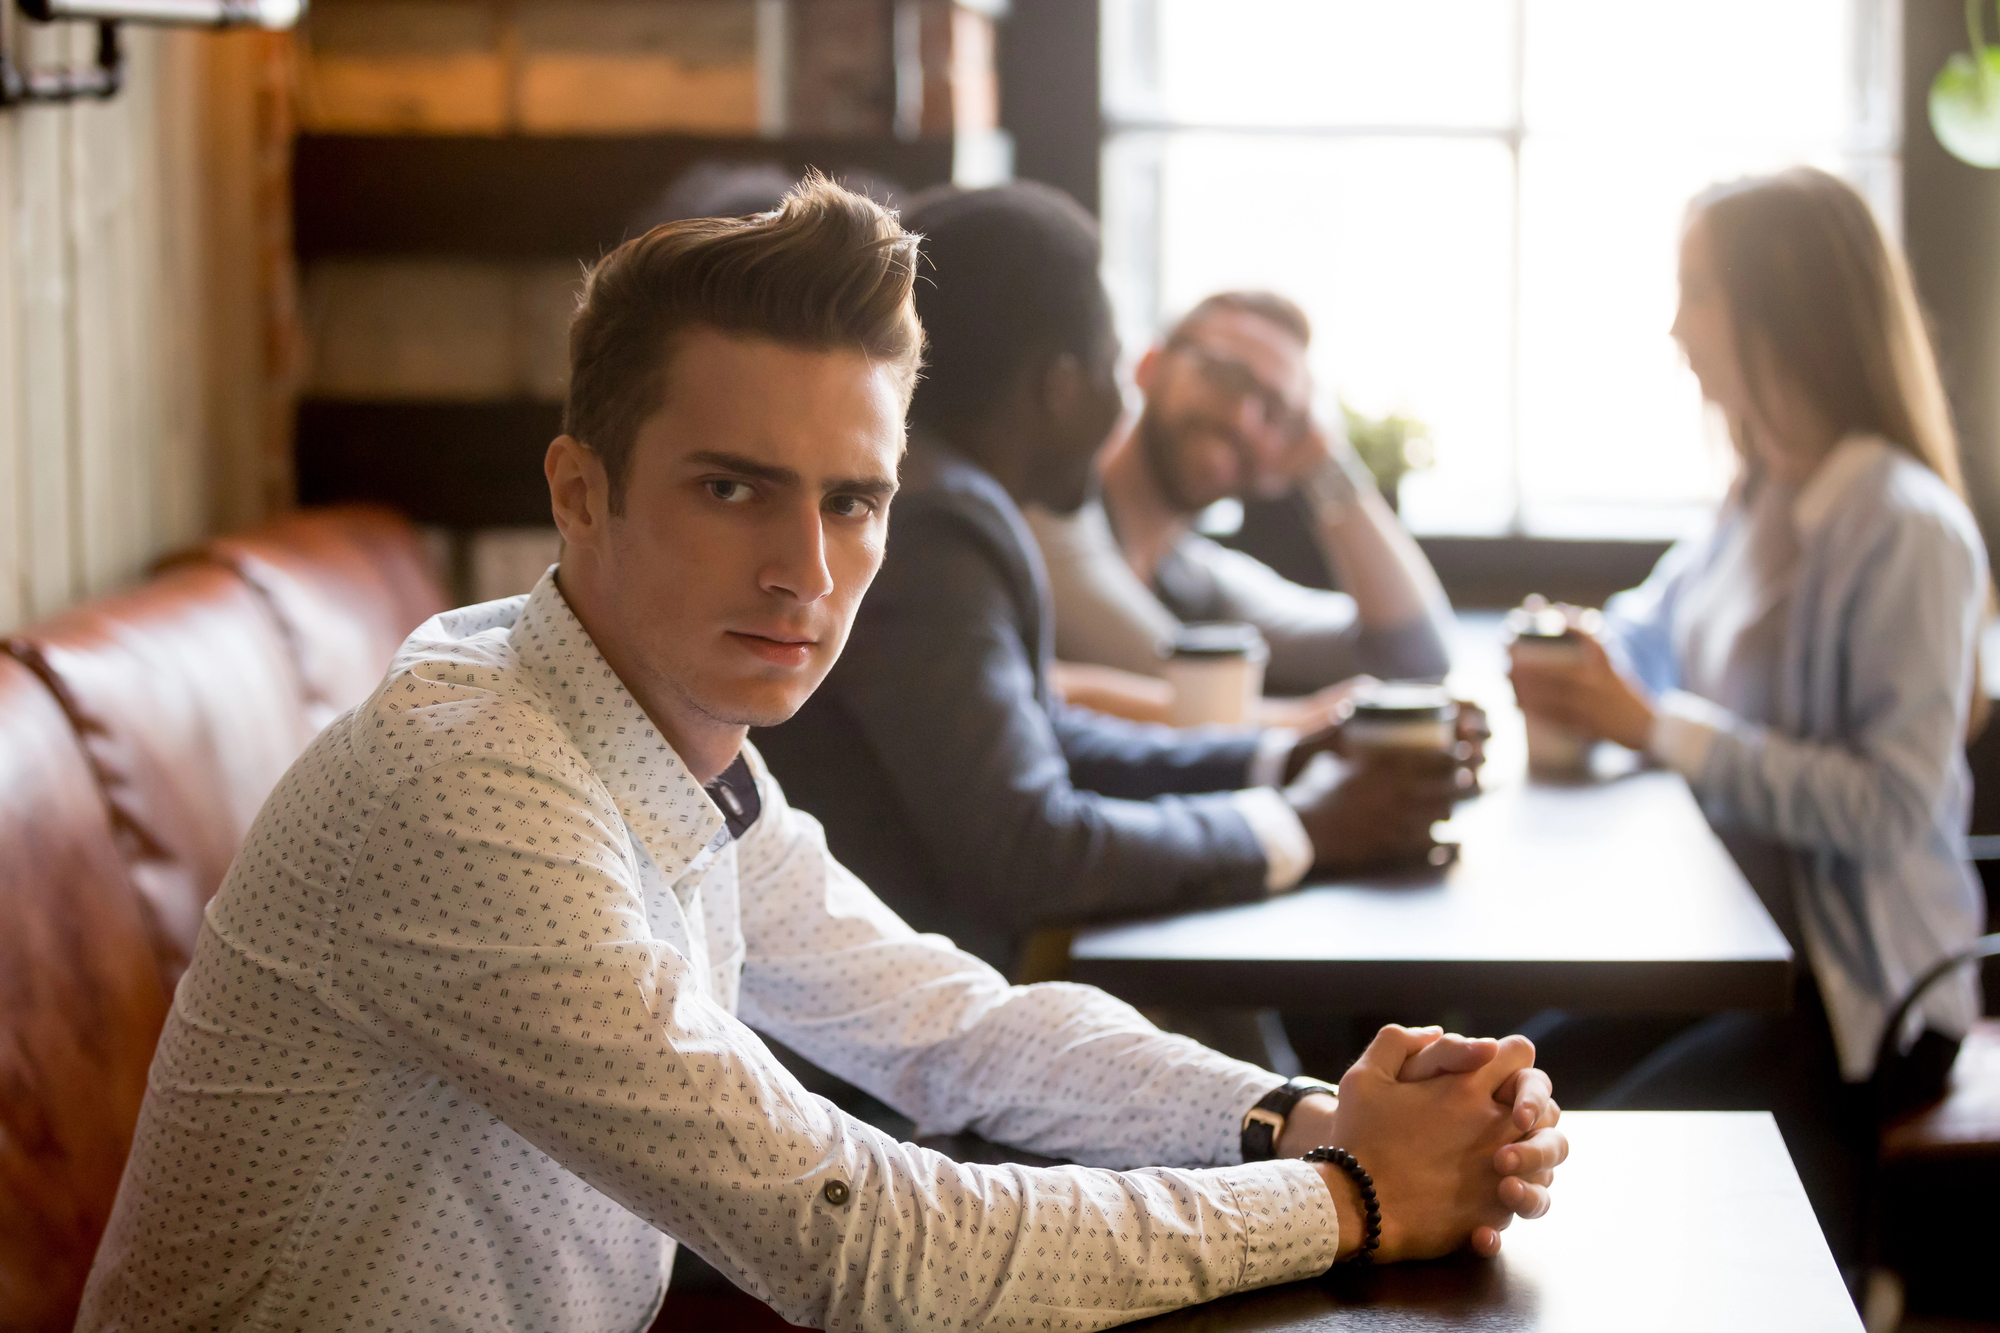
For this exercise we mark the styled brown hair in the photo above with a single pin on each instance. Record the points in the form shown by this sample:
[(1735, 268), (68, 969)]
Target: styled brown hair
[(827, 269), (1812, 284), (1267, 306)]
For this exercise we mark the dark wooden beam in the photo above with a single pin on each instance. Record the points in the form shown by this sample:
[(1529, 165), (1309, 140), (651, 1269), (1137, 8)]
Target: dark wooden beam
[(519, 197), (1049, 97), (1951, 229), (461, 465)]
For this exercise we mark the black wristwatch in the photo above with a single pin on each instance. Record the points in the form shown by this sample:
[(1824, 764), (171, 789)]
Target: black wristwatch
[(1265, 1122)]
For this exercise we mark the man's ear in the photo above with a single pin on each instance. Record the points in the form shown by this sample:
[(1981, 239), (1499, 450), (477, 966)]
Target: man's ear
[(1065, 390), (1147, 372), (579, 491)]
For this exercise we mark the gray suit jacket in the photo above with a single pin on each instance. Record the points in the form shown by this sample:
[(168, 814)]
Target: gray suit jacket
[(955, 784)]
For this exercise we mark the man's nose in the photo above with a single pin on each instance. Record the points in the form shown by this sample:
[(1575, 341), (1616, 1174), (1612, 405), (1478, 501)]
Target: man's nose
[(796, 564)]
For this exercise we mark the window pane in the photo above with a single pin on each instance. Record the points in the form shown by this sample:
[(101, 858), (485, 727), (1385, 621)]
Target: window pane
[(1311, 62), (1610, 416), (1696, 70), (1399, 249), (1387, 204)]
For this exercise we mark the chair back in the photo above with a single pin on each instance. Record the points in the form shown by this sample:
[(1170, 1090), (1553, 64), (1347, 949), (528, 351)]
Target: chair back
[(81, 1006), (187, 704), (1986, 946), (346, 584)]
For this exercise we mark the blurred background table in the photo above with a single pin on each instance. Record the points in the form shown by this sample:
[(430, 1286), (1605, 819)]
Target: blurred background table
[(1668, 1220), (1607, 896)]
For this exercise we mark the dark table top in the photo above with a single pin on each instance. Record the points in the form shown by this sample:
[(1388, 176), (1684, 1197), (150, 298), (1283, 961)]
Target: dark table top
[(1667, 1220), (1610, 895)]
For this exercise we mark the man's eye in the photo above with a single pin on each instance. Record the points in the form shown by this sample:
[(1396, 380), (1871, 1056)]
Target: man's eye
[(729, 492), (850, 506)]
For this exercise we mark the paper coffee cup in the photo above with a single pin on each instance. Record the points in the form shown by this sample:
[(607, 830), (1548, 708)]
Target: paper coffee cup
[(1540, 635), (1217, 674), (1402, 715)]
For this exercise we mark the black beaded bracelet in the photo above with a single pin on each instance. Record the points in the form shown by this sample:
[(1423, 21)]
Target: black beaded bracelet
[(1364, 1182)]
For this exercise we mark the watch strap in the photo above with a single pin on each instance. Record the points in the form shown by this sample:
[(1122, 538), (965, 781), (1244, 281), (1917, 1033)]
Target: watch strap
[(1264, 1123)]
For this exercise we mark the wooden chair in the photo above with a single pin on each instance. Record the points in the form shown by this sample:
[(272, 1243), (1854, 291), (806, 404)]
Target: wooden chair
[(1939, 1170)]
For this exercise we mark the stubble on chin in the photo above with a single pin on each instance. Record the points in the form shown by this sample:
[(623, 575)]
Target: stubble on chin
[(1160, 449), (767, 707)]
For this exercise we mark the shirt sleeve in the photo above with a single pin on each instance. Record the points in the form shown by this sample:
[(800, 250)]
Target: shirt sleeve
[(1316, 636), (1638, 623), (1907, 667), (1288, 849), (504, 947)]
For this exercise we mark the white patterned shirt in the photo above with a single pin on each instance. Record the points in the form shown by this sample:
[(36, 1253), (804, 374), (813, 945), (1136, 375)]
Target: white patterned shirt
[(464, 1043)]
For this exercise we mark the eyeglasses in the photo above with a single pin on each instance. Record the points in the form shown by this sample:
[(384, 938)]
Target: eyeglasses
[(1237, 380)]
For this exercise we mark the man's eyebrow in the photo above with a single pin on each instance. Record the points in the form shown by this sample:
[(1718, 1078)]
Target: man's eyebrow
[(744, 466), (877, 486), (783, 476)]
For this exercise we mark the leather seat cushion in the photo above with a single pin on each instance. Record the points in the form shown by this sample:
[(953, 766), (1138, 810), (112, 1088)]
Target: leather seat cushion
[(348, 584), (81, 1005), (184, 695)]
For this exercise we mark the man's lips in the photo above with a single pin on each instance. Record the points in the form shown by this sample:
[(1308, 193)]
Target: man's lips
[(777, 648)]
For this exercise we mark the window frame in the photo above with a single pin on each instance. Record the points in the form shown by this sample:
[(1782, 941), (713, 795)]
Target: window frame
[(1130, 117)]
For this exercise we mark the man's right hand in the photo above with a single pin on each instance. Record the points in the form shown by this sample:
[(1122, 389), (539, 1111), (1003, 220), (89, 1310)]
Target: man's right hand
[(1376, 808), (1431, 1146)]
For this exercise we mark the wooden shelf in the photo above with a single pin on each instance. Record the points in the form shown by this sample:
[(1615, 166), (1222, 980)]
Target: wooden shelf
[(462, 465), (520, 198)]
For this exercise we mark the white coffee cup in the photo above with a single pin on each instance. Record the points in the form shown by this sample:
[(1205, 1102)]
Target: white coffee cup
[(1217, 674), (1540, 635), (1401, 715)]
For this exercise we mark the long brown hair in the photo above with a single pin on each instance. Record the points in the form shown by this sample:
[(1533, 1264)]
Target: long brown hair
[(1814, 285)]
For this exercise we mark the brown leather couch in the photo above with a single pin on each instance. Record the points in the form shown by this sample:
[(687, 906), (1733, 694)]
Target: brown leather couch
[(139, 734)]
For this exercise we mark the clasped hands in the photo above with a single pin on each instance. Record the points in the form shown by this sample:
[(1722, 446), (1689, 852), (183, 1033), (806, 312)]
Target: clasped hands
[(1459, 1134), (1377, 805)]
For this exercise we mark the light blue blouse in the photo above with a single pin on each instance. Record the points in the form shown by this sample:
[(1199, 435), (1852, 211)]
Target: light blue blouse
[(1859, 771)]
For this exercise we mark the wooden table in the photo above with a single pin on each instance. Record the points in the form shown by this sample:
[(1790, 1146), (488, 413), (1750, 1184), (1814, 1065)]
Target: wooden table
[(1608, 896), (1667, 1220)]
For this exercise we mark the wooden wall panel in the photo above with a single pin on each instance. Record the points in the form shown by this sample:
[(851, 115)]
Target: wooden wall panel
[(39, 197), (145, 353)]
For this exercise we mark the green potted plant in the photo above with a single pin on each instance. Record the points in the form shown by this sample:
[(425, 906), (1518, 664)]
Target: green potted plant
[(1391, 446), (1965, 98)]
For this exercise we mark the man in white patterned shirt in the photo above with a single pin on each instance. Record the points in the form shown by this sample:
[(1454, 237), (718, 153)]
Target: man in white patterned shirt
[(464, 1043)]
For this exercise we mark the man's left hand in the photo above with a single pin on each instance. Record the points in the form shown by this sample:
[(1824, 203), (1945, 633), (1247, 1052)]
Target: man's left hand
[(1526, 1165)]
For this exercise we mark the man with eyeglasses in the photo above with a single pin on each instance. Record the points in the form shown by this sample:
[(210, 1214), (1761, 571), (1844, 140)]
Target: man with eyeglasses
[(1228, 415)]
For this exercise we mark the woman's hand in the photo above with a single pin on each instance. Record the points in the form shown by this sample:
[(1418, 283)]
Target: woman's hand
[(1587, 696)]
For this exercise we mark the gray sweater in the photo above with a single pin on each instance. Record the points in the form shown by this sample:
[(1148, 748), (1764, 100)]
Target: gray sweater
[(1105, 615)]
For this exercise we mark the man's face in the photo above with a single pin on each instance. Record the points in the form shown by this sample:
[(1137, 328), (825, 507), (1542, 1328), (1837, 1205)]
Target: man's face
[(1225, 409), (756, 507)]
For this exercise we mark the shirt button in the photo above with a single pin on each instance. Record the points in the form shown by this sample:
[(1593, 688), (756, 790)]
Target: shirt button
[(835, 1192)]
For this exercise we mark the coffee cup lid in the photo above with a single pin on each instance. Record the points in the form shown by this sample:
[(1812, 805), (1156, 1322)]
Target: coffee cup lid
[(1402, 701), (1539, 622), (1220, 638)]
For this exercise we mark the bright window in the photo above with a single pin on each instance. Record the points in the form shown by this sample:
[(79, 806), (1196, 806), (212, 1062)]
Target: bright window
[(1478, 203)]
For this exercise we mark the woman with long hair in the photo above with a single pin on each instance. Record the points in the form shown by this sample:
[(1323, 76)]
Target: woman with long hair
[(1808, 665)]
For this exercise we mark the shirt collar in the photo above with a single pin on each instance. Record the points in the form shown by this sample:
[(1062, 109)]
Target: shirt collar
[(655, 793), (1832, 481)]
